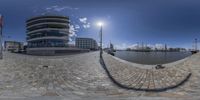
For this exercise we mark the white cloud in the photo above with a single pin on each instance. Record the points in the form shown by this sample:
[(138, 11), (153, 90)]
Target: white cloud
[(133, 46), (121, 46), (86, 25), (83, 20), (103, 45), (54, 9), (59, 8), (72, 31), (159, 46), (77, 26)]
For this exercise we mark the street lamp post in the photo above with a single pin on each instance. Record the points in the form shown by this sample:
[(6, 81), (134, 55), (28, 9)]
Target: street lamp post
[(101, 35)]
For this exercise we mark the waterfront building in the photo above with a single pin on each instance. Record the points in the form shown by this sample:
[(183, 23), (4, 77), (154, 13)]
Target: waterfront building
[(86, 43), (47, 35), (13, 46)]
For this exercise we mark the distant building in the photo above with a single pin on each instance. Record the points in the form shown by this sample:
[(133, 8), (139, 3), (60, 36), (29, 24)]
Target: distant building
[(47, 35), (86, 43), (165, 47), (13, 46)]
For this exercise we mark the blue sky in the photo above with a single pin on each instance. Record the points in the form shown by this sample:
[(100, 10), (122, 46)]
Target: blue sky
[(174, 22)]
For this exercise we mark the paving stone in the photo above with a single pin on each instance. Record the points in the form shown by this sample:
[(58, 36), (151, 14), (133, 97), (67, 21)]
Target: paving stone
[(150, 79), (83, 75)]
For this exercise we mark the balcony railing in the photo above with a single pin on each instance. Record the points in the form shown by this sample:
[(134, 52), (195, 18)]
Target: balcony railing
[(47, 17), (46, 29)]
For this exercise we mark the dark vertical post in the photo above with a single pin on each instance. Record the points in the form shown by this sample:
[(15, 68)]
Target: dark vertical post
[(165, 47), (142, 47), (101, 49), (196, 45)]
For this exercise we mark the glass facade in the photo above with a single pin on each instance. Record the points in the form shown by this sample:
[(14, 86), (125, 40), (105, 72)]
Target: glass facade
[(46, 33), (47, 37), (47, 43), (43, 26), (86, 43)]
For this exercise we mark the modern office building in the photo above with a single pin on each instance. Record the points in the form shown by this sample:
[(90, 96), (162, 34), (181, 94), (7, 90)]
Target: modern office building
[(13, 46), (86, 43), (47, 35)]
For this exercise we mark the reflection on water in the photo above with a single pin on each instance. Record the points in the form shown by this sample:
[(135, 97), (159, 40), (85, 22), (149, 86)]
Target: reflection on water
[(151, 58)]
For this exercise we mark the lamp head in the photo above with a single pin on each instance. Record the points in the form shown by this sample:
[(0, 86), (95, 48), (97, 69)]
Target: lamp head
[(100, 23)]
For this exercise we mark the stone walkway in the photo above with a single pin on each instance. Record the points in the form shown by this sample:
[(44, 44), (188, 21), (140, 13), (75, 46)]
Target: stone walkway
[(81, 76), (145, 79)]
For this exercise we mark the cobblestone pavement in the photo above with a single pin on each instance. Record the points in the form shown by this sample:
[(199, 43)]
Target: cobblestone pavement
[(76, 76), (145, 79), (189, 89)]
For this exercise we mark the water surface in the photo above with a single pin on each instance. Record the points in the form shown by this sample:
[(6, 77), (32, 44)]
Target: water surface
[(151, 58)]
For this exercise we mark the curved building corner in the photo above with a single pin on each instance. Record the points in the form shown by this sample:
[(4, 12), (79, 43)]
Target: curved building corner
[(47, 35)]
